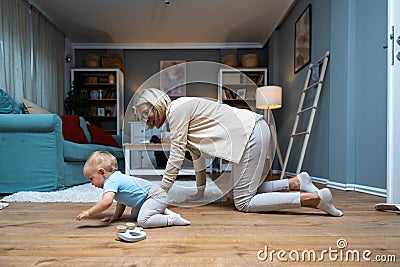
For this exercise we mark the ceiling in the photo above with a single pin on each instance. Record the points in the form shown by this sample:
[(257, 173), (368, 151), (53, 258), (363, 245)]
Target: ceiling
[(136, 24)]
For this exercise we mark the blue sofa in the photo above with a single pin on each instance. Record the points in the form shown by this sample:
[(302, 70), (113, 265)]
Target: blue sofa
[(35, 157)]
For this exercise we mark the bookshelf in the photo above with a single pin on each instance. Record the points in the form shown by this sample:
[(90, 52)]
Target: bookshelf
[(237, 87), (104, 88)]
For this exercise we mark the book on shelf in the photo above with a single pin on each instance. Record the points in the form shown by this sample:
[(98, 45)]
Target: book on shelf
[(111, 111), (228, 94), (107, 94), (260, 80)]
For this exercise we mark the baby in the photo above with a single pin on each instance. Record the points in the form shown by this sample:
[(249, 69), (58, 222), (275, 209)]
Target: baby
[(149, 198)]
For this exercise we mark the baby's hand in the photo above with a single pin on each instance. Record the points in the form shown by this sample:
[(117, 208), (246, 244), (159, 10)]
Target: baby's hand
[(82, 214)]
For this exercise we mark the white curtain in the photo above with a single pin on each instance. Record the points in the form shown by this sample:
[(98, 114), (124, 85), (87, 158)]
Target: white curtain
[(15, 77), (31, 56), (48, 58)]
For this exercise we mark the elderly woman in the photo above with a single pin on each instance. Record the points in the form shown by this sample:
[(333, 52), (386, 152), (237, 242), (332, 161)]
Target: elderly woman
[(208, 128)]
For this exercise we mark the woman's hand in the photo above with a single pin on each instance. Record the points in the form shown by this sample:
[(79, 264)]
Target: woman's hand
[(200, 181), (197, 196)]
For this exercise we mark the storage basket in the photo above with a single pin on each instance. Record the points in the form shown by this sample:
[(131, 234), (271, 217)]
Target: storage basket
[(230, 60), (111, 61), (249, 60), (91, 61)]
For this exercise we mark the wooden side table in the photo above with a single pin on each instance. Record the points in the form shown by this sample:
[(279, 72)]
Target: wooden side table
[(140, 147)]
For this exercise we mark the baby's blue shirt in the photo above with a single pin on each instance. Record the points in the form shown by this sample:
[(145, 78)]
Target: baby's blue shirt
[(130, 191)]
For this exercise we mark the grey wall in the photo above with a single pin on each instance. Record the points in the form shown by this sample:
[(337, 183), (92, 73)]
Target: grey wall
[(366, 91), (372, 91), (292, 84), (140, 65), (348, 140)]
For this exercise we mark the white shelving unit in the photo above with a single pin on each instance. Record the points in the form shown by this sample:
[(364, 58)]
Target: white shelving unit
[(105, 89), (237, 87), (232, 83), (141, 134), (140, 154)]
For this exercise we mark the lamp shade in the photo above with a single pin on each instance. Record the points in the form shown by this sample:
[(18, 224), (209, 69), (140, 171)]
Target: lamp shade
[(269, 97)]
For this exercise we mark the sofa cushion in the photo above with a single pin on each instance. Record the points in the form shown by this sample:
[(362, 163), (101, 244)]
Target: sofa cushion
[(33, 108), (101, 136), (80, 152), (37, 123), (72, 130), (8, 105)]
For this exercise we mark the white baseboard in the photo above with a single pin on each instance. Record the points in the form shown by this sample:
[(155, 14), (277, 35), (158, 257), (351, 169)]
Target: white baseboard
[(345, 187)]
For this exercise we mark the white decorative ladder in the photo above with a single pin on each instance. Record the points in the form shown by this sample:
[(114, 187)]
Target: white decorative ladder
[(301, 111)]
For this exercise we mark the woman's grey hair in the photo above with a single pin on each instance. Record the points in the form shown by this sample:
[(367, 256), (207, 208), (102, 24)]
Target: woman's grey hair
[(154, 97)]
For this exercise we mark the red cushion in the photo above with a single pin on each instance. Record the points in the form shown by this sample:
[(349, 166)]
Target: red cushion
[(101, 136), (72, 131)]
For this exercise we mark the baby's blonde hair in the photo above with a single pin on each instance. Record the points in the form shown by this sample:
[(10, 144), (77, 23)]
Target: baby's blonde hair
[(154, 97), (100, 159)]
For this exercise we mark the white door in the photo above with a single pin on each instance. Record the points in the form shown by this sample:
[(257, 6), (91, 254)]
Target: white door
[(393, 106)]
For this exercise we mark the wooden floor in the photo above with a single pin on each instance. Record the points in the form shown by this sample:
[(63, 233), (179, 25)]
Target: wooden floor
[(46, 234)]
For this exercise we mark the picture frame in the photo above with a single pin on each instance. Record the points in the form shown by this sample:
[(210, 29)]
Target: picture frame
[(173, 77), (241, 93), (101, 112), (302, 47)]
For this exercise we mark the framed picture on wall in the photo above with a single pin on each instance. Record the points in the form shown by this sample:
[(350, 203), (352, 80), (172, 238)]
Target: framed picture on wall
[(302, 47), (173, 77)]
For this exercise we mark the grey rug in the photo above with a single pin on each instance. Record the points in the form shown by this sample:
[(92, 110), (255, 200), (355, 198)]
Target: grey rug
[(178, 194)]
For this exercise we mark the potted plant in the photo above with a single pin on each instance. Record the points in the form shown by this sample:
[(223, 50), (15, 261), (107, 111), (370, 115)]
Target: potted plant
[(77, 102)]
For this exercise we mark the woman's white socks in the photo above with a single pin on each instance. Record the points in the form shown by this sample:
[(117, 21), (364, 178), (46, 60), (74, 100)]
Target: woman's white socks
[(306, 184), (326, 203)]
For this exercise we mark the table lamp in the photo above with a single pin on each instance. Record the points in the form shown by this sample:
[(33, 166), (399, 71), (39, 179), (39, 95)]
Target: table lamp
[(268, 98)]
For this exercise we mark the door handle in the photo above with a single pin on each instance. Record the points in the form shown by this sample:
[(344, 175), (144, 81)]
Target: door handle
[(398, 40), (391, 36)]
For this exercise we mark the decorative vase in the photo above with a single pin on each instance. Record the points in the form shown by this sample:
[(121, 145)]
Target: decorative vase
[(111, 78)]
